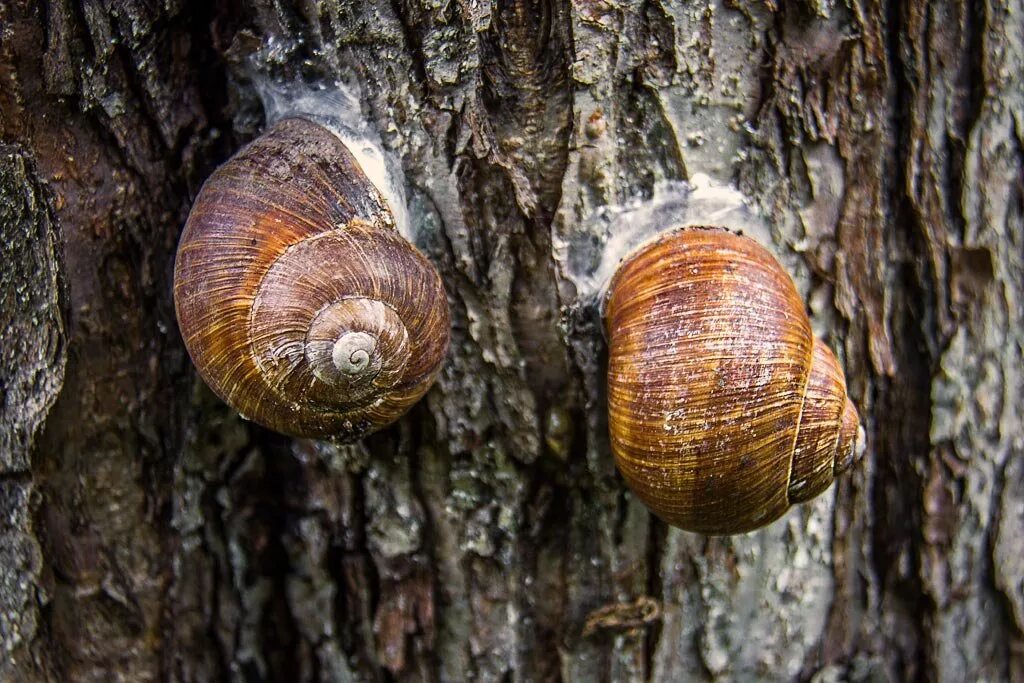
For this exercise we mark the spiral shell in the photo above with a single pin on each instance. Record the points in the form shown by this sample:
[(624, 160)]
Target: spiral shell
[(300, 304), (723, 408)]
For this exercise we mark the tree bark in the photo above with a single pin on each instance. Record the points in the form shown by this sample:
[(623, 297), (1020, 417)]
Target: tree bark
[(149, 533)]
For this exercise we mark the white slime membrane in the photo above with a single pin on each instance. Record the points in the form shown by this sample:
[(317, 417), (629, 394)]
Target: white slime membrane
[(612, 233), (336, 106)]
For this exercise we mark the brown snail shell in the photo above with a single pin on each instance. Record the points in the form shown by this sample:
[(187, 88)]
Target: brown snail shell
[(724, 409), (300, 304)]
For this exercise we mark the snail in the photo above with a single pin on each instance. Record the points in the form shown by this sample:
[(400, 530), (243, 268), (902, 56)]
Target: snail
[(299, 302), (724, 410)]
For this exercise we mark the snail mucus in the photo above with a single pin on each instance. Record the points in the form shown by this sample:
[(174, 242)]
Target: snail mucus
[(723, 408), (298, 300)]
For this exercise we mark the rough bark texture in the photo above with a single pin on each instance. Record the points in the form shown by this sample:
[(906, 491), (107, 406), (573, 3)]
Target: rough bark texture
[(148, 533)]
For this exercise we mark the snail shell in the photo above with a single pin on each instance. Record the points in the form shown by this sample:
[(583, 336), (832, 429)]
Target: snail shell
[(724, 409), (300, 304)]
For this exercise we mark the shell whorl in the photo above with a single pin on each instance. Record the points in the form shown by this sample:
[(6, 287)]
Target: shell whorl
[(825, 444), (712, 389), (299, 302)]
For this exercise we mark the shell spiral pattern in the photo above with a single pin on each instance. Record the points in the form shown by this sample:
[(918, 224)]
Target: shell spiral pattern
[(300, 304), (723, 408)]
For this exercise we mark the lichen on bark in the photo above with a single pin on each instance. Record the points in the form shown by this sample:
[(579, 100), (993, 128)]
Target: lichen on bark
[(33, 353)]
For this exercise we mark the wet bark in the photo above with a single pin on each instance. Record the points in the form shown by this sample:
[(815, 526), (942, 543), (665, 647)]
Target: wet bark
[(149, 533)]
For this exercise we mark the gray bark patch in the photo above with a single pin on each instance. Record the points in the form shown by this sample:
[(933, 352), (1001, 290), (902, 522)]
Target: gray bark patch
[(32, 340), (32, 358)]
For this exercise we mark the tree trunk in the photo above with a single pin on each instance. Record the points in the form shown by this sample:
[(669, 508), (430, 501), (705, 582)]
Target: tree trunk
[(149, 533)]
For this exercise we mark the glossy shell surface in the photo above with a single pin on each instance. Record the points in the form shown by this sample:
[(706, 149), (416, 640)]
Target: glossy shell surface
[(299, 302), (723, 408)]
